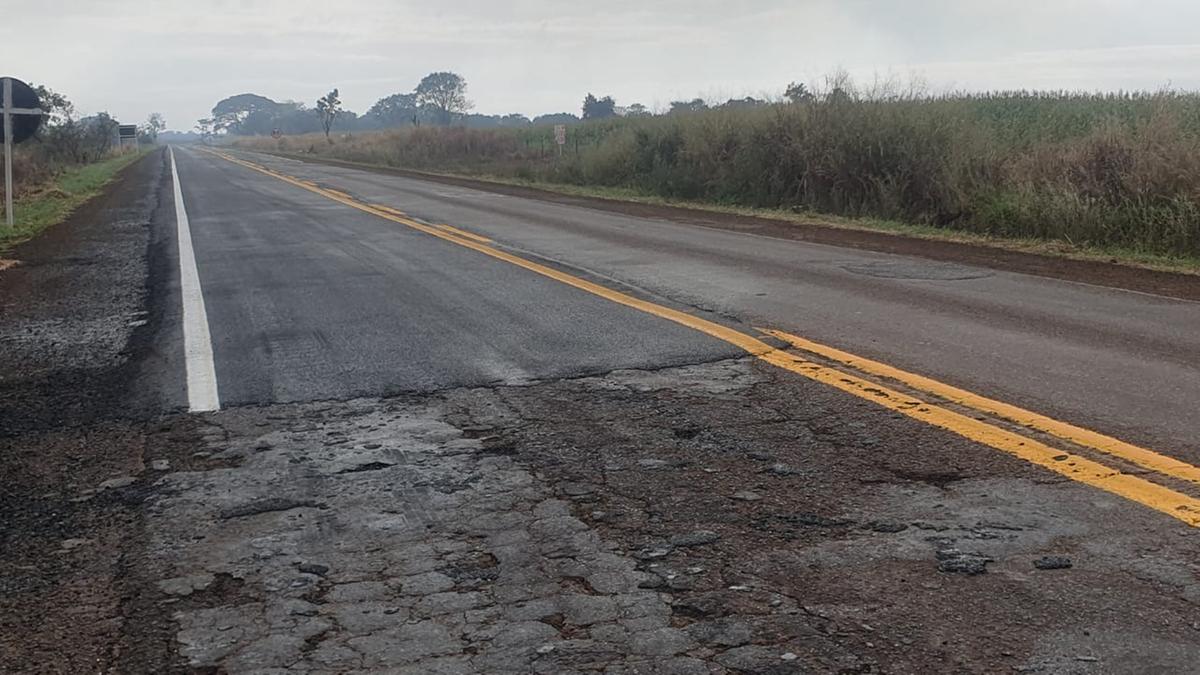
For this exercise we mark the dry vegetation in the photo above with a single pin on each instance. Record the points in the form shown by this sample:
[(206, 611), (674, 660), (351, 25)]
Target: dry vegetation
[(1117, 171)]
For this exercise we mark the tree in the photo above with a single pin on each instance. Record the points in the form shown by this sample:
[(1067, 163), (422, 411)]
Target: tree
[(394, 111), (797, 92), (637, 110), (155, 124), (748, 102), (230, 113), (598, 108), (329, 107), (514, 120), (206, 127), (838, 95), (99, 130), (555, 118), (694, 105), (445, 94), (840, 88), (56, 106), (61, 135)]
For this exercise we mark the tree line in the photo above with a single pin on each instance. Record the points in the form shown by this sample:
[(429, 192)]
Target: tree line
[(439, 99), (68, 137)]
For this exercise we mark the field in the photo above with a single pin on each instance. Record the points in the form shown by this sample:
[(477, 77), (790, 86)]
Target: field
[(1115, 172)]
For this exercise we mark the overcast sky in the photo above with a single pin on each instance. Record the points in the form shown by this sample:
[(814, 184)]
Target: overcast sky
[(539, 56)]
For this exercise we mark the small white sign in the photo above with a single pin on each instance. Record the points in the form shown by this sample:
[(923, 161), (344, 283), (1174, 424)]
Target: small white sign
[(560, 134)]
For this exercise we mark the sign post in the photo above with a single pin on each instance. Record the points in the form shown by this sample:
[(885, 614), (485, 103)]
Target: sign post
[(127, 134), (21, 118), (560, 137)]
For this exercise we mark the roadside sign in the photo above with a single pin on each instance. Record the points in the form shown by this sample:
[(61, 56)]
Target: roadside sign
[(127, 134), (25, 124), (560, 137), (20, 117)]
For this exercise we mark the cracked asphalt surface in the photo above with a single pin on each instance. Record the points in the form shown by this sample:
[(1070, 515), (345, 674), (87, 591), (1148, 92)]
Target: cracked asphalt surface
[(647, 501)]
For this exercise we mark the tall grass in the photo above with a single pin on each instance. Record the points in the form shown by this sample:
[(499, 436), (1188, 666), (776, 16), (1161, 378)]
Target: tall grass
[(1115, 170)]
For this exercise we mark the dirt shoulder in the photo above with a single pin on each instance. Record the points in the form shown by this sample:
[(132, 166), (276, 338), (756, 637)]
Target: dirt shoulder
[(45, 205), (1113, 274), (74, 318)]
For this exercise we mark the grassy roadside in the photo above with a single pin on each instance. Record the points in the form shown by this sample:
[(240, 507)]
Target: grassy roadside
[(53, 202), (1123, 256)]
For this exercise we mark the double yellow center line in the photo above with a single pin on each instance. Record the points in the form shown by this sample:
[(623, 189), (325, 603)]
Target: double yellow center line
[(1015, 431)]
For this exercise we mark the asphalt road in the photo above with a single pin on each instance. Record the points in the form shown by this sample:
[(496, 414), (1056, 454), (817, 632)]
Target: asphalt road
[(668, 491), (310, 299)]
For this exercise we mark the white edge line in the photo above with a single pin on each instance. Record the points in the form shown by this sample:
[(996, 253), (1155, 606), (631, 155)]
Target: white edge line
[(197, 342)]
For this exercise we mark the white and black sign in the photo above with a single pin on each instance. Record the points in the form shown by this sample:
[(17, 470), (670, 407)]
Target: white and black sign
[(24, 109)]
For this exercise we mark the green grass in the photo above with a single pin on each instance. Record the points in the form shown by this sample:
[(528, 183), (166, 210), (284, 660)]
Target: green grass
[(53, 202)]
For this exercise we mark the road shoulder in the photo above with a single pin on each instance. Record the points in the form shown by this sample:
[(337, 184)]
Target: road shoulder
[(75, 319)]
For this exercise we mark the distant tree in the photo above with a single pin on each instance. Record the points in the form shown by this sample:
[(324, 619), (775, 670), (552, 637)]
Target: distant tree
[(748, 102), (555, 118), (797, 92), (445, 94), (155, 124), (394, 111), (694, 105), (637, 110), (495, 121), (514, 120), (230, 113), (206, 127), (291, 117), (840, 87), (329, 107), (598, 108), (837, 95)]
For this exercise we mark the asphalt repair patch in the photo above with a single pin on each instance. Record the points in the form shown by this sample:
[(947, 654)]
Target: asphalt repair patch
[(602, 539)]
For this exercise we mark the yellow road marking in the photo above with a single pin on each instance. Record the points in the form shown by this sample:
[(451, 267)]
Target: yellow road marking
[(1072, 466), (339, 193), (1168, 466), (1075, 467), (448, 228), (750, 344), (463, 233), (385, 207)]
